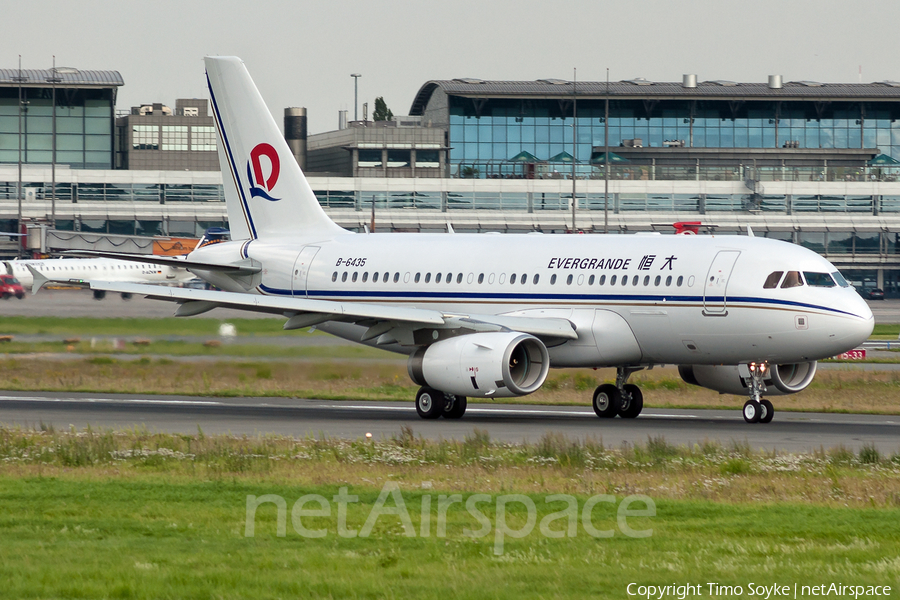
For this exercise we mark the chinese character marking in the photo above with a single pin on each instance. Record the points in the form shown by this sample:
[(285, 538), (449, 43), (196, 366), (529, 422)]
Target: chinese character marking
[(668, 263), (645, 263)]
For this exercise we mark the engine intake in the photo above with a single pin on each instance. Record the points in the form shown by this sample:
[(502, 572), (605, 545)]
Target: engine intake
[(482, 365), (726, 379)]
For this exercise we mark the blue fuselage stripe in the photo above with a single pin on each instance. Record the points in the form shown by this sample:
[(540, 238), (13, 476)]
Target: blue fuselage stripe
[(377, 295)]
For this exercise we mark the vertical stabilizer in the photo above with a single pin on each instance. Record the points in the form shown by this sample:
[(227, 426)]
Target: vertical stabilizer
[(265, 190)]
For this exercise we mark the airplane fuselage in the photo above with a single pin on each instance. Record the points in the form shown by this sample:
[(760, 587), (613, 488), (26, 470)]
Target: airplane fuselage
[(636, 299)]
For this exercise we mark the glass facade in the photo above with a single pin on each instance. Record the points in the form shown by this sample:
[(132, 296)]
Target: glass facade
[(84, 127), (494, 131)]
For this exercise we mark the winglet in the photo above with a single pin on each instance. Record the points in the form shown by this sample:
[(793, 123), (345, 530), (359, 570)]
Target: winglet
[(39, 279)]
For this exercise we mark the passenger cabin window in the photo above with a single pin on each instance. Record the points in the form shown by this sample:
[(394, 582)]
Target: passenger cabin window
[(818, 279), (536, 279), (437, 278), (792, 279), (553, 279), (427, 277), (334, 276), (396, 277), (773, 279), (612, 280), (459, 278)]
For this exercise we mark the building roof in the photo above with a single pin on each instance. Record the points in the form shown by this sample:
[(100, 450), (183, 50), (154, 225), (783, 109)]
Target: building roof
[(642, 88), (65, 77)]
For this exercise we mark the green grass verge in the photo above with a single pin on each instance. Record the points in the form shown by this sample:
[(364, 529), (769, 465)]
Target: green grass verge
[(156, 539), (139, 515), (140, 326), (195, 349)]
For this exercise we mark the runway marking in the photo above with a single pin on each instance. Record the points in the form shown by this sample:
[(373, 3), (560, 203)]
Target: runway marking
[(794, 418)]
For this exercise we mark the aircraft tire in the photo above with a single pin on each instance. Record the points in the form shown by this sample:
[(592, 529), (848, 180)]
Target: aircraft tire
[(429, 403), (768, 411), (752, 411), (630, 409), (99, 294), (607, 400), (454, 406)]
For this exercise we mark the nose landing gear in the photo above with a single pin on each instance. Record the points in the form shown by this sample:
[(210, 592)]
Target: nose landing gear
[(758, 409)]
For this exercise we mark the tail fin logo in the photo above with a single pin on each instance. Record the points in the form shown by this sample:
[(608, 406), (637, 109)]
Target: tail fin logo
[(260, 185)]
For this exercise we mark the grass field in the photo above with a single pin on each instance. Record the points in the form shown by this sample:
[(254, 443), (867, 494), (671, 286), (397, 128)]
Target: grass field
[(135, 515)]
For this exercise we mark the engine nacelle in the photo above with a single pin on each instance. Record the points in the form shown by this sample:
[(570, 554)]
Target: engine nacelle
[(482, 365), (726, 379)]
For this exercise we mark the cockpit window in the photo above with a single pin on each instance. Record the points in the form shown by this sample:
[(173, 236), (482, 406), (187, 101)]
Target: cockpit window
[(773, 279), (818, 279), (792, 279), (840, 279)]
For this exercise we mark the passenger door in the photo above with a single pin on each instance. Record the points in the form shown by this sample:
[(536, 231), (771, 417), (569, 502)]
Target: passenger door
[(301, 270), (715, 286)]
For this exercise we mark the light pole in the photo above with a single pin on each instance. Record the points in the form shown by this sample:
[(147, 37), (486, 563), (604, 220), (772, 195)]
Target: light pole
[(54, 79), (355, 77), (20, 79)]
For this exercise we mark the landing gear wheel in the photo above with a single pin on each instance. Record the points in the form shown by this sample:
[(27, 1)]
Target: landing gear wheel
[(632, 402), (454, 406), (752, 411), (607, 400), (768, 411), (429, 403)]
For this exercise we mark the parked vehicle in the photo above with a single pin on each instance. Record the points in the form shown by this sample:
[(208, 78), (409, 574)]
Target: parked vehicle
[(10, 286), (875, 294)]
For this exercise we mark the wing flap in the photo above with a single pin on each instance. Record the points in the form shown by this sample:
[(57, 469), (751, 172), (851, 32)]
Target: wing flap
[(276, 304), (307, 312)]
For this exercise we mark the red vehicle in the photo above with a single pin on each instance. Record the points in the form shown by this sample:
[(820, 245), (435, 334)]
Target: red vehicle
[(10, 286)]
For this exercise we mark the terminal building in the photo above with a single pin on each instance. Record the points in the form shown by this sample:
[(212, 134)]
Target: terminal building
[(816, 164)]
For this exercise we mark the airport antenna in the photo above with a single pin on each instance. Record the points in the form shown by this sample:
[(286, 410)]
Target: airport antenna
[(574, 151)]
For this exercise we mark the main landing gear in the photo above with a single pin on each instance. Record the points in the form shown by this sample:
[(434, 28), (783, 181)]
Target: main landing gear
[(758, 409), (432, 404), (623, 399)]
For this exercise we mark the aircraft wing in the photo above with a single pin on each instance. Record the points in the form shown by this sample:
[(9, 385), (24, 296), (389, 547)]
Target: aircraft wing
[(234, 269), (305, 312)]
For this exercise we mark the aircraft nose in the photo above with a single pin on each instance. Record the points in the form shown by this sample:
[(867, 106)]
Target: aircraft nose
[(859, 329)]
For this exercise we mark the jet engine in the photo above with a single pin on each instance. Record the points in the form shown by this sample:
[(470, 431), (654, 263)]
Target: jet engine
[(482, 365), (726, 379)]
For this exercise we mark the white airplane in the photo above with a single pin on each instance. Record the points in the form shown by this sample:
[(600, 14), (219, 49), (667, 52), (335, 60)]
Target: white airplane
[(79, 270), (488, 315)]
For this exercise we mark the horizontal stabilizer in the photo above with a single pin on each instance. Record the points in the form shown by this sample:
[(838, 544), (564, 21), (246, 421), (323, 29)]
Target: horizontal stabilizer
[(171, 261)]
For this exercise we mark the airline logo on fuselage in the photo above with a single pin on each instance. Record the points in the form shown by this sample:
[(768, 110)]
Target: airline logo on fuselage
[(260, 184)]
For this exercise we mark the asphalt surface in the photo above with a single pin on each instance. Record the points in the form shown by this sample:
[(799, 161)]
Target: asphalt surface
[(792, 432), (795, 432)]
